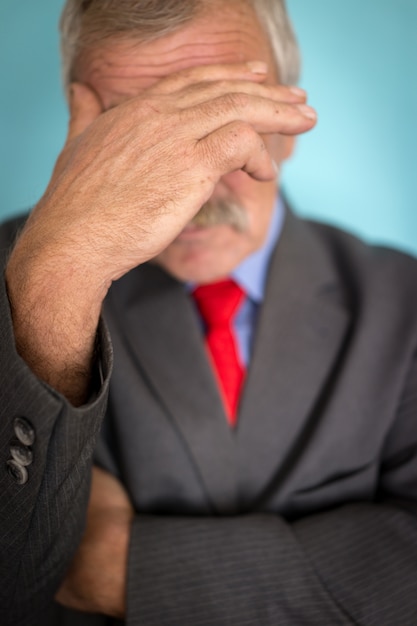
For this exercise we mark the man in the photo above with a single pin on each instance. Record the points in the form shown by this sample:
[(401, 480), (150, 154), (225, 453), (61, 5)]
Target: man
[(280, 489)]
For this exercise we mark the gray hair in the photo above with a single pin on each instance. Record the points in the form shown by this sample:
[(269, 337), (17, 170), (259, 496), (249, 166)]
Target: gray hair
[(86, 23)]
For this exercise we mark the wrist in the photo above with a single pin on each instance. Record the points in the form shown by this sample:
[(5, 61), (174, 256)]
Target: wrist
[(55, 305)]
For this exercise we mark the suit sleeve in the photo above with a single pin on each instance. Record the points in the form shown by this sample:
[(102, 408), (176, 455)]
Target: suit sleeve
[(356, 564), (46, 447)]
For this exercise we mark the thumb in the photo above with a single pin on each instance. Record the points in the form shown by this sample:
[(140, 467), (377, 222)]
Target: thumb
[(84, 108)]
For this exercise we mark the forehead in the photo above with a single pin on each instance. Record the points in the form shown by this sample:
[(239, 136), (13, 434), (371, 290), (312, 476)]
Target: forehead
[(120, 69)]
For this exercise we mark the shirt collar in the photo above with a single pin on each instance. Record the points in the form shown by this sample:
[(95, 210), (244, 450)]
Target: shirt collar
[(252, 272)]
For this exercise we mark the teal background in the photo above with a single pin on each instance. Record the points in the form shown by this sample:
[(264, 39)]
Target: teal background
[(357, 169)]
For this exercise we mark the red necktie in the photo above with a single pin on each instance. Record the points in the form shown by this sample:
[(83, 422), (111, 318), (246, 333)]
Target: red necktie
[(217, 304)]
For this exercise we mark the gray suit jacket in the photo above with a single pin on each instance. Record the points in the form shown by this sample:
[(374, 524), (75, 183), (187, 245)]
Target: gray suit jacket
[(306, 514), (43, 503)]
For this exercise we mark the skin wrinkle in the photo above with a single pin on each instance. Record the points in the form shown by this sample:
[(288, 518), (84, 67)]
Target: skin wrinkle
[(122, 172), (96, 58), (119, 70), (123, 71), (122, 96), (118, 174), (104, 25)]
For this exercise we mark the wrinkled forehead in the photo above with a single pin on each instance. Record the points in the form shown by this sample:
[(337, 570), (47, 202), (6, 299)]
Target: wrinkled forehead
[(119, 69)]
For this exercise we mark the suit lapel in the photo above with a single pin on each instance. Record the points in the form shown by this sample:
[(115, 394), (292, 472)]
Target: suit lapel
[(299, 337), (162, 329)]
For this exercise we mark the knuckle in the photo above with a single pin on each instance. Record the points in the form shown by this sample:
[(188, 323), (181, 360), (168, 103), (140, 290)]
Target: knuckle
[(154, 106), (242, 132), (236, 139), (223, 85), (180, 78), (237, 101), (226, 105), (185, 74), (148, 103)]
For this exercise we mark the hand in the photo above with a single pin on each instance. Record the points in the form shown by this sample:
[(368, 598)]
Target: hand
[(130, 179), (126, 183), (96, 580)]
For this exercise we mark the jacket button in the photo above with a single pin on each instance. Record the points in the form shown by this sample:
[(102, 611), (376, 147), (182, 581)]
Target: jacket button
[(21, 454), (24, 431), (17, 471)]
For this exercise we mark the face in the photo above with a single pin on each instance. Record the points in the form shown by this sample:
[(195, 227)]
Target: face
[(237, 222)]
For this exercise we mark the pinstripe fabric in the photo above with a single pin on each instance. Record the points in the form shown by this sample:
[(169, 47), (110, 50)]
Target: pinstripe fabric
[(246, 570), (306, 516), (322, 526), (41, 521)]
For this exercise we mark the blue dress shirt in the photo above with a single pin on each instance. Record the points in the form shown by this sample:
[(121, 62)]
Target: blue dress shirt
[(251, 275)]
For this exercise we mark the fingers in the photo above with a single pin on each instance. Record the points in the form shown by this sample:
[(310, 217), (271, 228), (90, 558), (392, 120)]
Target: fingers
[(84, 108), (201, 83), (255, 71), (237, 146), (107, 491), (263, 114), (196, 94)]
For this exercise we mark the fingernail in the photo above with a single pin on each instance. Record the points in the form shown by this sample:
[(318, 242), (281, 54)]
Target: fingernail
[(297, 90), (307, 111), (257, 67)]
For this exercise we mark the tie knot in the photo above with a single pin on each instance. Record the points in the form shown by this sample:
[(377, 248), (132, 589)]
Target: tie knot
[(218, 302)]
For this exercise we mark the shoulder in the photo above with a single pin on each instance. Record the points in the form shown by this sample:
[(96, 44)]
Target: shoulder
[(377, 284), (364, 264)]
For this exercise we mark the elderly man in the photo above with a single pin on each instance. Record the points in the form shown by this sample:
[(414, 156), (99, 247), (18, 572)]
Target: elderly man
[(257, 462)]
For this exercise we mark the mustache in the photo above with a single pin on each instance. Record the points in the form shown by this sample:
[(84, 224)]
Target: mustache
[(221, 211)]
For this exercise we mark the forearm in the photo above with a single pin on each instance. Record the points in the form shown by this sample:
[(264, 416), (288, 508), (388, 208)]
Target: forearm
[(254, 568), (55, 307), (96, 580), (353, 565), (43, 513), (89, 228)]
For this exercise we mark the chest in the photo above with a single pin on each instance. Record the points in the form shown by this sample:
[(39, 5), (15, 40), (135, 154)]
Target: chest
[(311, 425)]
